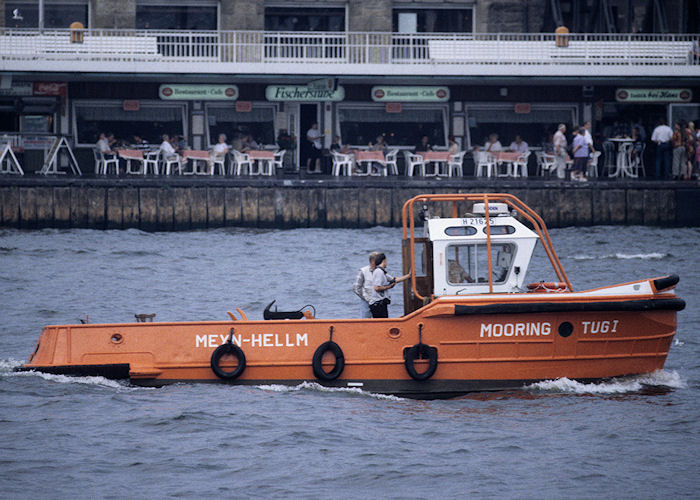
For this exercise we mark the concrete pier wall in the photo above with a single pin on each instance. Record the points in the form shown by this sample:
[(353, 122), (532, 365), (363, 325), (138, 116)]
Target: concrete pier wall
[(158, 205)]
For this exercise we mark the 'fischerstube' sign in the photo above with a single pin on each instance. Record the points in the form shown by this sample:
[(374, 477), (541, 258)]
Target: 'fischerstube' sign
[(302, 93)]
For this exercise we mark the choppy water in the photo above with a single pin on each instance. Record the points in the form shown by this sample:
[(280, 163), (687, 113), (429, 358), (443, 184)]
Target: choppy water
[(90, 437)]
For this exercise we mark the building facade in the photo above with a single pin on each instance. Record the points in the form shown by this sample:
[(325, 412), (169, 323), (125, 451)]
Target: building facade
[(361, 69)]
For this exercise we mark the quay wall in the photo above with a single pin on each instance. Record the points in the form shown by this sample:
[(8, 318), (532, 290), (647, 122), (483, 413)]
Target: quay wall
[(158, 204)]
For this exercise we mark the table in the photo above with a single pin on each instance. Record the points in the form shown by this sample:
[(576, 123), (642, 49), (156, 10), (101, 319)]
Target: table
[(262, 159), (436, 157), (129, 155), (369, 157), (197, 156), (623, 163), (507, 157)]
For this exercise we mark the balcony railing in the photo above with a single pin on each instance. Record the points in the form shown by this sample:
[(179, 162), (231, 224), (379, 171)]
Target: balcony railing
[(427, 53)]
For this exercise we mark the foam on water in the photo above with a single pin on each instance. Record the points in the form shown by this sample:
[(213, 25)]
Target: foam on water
[(313, 386), (7, 369), (659, 378), (624, 256)]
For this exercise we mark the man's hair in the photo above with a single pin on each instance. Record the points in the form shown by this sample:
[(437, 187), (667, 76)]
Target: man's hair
[(379, 259), (373, 256), (561, 126)]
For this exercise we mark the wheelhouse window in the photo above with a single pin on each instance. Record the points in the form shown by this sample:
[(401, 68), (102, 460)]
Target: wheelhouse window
[(468, 263), (430, 20), (258, 122), (302, 19), (362, 125), (57, 14), (150, 121), (177, 15)]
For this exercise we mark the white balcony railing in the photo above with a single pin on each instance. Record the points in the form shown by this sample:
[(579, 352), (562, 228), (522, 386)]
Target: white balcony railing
[(345, 53)]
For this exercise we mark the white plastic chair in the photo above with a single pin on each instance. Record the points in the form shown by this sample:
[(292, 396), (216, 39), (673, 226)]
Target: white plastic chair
[(413, 161), (99, 160), (106, 162), (390, 165), (546, 163), (169, 162), (278, 162), (484, 161), (342, 164), (241, 160), (217, 161), (521, 163), (150, 159), (455, 164), (593, 164)]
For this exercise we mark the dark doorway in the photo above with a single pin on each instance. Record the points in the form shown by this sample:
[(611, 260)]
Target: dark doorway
[(308, 115)]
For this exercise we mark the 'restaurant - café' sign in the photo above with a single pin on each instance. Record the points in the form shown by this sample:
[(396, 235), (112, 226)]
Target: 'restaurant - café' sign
[(653, 95), (198, 92), (410, 94), (303, 93)]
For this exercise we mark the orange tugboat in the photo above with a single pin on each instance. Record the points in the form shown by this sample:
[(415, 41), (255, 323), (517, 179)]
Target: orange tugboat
[(470, 323)]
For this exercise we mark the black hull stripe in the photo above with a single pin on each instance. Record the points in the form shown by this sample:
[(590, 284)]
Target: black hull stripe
[(559, 307)]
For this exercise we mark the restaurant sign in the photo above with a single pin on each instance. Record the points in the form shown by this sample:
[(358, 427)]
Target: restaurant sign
[(410, 94), (653, 95), (303, 93), (198, 92)]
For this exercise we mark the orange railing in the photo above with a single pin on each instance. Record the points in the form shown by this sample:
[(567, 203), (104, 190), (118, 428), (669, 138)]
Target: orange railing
[(408, 221)]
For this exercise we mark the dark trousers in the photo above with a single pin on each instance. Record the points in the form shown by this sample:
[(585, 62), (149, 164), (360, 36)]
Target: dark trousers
[(380, 309), (663, 155)]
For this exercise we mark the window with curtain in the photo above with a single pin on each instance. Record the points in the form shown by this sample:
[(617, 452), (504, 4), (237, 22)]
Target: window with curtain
[(150, 122), (417, 20), (258, 122), (57, 14), (359, 126)]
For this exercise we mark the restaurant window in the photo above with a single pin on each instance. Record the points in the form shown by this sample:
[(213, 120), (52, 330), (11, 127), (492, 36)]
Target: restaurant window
[(361, 125), (535, 127), (685, 112), (258, 122), (431, 20), (57, 14), (177, 15), (469, 264), (303, 19), (150, 121)]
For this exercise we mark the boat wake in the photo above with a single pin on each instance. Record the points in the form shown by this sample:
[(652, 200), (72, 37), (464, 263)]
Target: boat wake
[(659, 379), (313, 386), (8, 366), (624, 256)]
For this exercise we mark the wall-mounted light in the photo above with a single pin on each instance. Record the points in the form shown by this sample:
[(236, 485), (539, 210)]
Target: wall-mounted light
[(503, 91)]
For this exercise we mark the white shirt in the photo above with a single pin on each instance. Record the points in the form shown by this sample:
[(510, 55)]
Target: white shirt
[(315, 135), (363, 284), (662, 133), (220, 148), (587, 136), (167, 148), (103, 144), (379, 278), (519, 149), (496, 146)]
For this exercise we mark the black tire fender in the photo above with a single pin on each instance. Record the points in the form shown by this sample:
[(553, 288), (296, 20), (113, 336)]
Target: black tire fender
[(317, 362), (219, 352), (421, 351)]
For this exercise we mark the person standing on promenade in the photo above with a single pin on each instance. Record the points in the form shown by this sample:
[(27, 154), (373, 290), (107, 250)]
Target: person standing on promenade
[(661, 136), (559, 142), (580, 151), (313, 135), (678, 144), (364, 285)]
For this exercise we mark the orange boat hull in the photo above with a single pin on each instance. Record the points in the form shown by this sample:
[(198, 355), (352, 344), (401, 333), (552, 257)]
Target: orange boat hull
[(482, 343)]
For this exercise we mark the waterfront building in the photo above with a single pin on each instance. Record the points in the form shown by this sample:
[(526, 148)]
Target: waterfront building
[(360, 68)]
